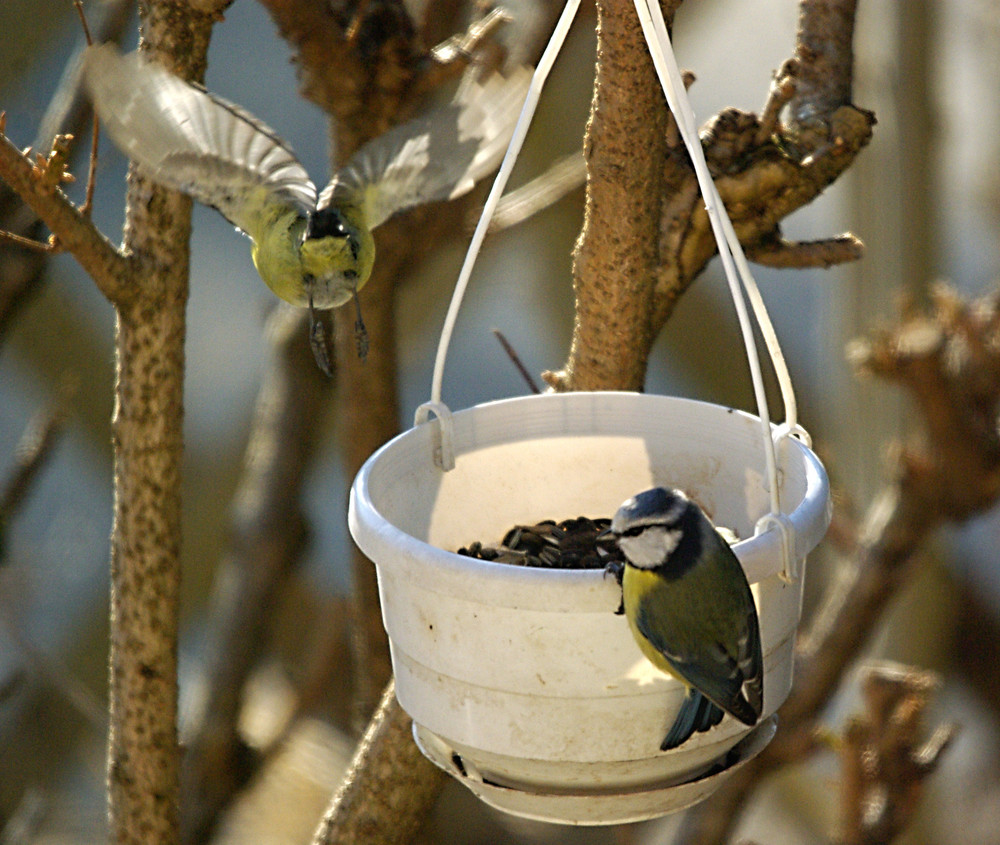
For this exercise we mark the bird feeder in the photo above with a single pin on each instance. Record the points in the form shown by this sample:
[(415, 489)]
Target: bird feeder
[(523, 683)]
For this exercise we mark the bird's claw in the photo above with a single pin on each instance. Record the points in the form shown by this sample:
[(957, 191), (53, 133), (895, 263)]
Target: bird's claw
[(361, 338), (318, 342), (617, 569), (360, 332)]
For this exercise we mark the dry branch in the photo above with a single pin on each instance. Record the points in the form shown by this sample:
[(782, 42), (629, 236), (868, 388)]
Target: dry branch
[(388, 788), (885, 757), (76, 233), (147, 432), (367, 71), (67, 112), (615, 261)]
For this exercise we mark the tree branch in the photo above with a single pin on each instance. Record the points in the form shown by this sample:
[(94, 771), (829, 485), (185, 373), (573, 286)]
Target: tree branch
[(109, 269), (885, 758), (147, 433), (764, 170), (336, 69), (783, 254), (67, 112), (387, 788), (826, 62), (614, 265)]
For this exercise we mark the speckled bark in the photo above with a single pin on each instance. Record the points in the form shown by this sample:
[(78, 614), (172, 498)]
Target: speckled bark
[(826, 60), (143, 756), (381, 802), (614, 268)]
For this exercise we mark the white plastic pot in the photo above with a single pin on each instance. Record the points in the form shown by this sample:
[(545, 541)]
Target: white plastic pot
[(523, 682)]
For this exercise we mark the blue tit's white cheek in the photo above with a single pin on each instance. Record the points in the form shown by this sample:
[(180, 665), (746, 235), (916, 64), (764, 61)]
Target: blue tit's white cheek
[(650, 547)]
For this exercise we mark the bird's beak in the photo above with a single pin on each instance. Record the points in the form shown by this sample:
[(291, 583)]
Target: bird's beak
[(607, 532)]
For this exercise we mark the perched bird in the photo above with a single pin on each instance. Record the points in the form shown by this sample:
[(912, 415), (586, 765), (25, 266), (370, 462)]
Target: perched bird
[(690, 609), (312, 251)]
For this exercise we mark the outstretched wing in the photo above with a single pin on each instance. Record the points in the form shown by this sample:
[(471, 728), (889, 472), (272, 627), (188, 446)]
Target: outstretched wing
[(438, 156), (192, 141)]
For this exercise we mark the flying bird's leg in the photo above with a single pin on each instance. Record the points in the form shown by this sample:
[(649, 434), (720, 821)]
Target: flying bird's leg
[(317, 340), (360, 332)]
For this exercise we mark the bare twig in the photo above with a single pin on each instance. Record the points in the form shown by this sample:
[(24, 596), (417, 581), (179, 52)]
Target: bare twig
[(108, 268), (564, 176), (516, 360), (885, 756), (462, 46), (66, 113), (823, 253), (781, 92), (88, 200)]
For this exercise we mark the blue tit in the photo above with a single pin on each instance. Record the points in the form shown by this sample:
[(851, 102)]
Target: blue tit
[(312, 251), (690, 609)]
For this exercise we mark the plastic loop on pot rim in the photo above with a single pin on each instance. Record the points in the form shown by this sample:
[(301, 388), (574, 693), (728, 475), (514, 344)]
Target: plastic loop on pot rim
[(797, 431), (790, 566), (443, 436)]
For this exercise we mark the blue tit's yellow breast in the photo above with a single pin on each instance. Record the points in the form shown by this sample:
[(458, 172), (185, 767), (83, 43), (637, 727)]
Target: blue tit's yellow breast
[(276, 255), (638, 586)]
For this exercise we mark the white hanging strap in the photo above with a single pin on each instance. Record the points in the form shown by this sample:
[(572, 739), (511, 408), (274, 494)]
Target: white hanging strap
[(514, 148), (734, 264)]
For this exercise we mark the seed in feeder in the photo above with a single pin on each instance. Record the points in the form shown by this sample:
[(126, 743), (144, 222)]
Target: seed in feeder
[(570, 544)]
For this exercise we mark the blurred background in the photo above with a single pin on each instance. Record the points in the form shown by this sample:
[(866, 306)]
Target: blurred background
[(924, 197)]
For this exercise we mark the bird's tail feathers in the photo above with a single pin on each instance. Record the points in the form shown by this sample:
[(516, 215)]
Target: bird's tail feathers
[(697, 714)]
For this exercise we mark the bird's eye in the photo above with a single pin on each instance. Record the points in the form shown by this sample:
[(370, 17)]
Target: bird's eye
[(634, 531)]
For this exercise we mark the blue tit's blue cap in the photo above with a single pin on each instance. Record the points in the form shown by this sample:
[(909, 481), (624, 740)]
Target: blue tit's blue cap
[(655, 506)]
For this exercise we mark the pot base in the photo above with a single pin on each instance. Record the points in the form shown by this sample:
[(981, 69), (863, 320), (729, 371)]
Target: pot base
[(596, 805)]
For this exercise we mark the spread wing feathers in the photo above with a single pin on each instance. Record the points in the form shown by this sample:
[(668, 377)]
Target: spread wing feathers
[(729, 673), (697, 713), (192, 141), (435, 157)]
